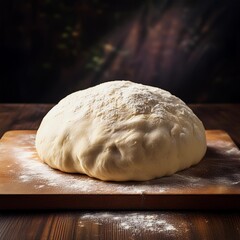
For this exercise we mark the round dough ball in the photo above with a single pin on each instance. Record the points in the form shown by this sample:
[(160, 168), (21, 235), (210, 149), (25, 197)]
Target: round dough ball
[(119, 131)]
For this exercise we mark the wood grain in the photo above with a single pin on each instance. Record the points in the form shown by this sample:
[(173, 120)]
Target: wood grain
[(119, 225), (214, 183)]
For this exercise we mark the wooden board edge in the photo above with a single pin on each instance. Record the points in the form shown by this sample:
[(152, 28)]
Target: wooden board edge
[(123, 202), (11, 133)]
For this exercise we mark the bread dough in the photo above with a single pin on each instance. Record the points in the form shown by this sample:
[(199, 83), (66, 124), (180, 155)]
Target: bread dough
[(120, 130)]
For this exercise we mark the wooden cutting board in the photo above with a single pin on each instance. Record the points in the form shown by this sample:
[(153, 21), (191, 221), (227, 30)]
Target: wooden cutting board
[(28, 183)]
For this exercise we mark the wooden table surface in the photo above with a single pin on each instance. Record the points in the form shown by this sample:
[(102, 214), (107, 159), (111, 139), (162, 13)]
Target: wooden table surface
[(121, 225)]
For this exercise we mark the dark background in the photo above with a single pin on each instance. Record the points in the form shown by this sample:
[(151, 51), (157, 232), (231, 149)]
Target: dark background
[(50, 48)]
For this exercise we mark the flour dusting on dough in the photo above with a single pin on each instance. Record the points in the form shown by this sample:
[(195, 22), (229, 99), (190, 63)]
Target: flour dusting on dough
[(120, 131)]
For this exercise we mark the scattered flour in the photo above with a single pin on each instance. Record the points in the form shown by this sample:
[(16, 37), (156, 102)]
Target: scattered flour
[(32, 170), (135, 223)]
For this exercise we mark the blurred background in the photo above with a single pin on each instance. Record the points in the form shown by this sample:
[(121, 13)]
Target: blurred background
[(50, 48)]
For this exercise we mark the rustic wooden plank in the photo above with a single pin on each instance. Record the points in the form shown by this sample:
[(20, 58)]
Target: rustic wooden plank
[(21, 116), (119, 225)]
